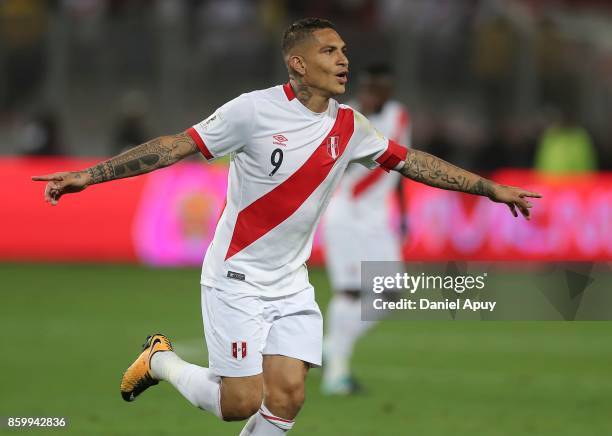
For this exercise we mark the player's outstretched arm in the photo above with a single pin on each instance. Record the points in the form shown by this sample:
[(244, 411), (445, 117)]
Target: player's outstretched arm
[(157, 153), (433, 171)]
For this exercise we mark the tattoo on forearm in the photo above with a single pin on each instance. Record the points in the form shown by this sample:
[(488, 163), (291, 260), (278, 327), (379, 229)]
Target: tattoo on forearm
[(482, 187), (102, 172), (425, 168), (157, 153)]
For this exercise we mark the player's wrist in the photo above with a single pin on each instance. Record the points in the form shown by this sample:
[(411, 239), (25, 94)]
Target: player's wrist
[(87, 176), (495, 191)]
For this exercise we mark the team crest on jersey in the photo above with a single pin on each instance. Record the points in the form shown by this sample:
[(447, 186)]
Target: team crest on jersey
[(239, 350), (333, 146)]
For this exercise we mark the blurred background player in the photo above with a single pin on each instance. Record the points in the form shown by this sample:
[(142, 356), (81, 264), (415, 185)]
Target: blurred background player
[(357, 228)]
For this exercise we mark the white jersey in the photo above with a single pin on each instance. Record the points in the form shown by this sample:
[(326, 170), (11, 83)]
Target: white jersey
[(361, 201), (286, 161)]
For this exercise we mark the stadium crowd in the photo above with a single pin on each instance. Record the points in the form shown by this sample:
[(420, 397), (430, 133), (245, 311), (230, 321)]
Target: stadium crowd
[(490, 83)]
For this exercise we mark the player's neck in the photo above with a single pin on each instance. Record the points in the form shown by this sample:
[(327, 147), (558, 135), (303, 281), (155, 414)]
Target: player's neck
[(309, 97)]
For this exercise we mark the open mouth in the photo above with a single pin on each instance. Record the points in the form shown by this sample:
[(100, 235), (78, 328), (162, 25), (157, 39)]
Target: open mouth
[(342, 77)]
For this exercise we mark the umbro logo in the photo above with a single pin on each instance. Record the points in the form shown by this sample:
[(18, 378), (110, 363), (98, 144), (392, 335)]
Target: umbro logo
[(279, 140)]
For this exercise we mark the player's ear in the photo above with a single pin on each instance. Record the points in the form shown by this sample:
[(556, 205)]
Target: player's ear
[(296, 64)]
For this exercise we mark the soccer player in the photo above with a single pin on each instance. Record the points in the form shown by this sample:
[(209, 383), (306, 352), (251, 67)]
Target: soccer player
[(357, 228), (289, 146)]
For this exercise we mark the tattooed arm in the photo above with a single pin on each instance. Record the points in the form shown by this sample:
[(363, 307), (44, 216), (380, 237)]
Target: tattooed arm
[(157, 153), (430, 170)]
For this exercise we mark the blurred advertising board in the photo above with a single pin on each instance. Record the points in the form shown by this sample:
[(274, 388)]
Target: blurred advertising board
[(167, 218), (573, 221)]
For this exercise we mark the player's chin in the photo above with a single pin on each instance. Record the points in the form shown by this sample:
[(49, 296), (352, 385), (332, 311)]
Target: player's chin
[(339, 88)]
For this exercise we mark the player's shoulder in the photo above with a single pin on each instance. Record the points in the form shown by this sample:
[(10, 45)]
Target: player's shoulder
[(253, 101), (274, 93), (360, 119), (362, 125)]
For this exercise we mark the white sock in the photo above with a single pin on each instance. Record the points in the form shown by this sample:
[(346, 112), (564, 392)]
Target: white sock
[(198, 384), (265, 423), (344, 328)]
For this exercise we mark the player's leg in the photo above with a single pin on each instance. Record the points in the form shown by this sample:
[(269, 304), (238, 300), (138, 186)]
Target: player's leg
[(284, 385), (229, 398), (158, 361), (284, 393), (232, 387), (293, 344), (241, 397)]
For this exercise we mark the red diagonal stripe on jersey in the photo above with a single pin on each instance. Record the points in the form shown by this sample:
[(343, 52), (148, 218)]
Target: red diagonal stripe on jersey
[(271, 209), (367, 181)]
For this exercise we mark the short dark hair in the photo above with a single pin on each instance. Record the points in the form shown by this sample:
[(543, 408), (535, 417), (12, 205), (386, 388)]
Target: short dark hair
[(302, 29)]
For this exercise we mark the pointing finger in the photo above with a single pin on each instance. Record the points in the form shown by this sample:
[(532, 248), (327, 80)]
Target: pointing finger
[(530, 194), (48, 178)]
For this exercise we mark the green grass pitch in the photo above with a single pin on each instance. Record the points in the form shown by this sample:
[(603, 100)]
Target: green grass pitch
[(69, 331)]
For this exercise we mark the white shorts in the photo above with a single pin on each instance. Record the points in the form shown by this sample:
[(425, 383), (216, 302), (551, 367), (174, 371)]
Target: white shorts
[(240, 329), (346, 247)]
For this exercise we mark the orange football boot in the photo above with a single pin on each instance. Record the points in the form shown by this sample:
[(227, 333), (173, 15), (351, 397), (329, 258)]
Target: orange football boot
[(137, 378)]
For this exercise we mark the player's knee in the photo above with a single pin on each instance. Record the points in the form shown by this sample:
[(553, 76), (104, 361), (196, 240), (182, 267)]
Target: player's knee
[(239, 402), (242, 407), (287, 397)]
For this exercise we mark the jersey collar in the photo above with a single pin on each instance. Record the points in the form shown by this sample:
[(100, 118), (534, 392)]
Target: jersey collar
[(331, 107), (289, 91)]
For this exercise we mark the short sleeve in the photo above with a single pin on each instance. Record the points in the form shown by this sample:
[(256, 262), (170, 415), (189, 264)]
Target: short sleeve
[(374, 149), (227, 130)]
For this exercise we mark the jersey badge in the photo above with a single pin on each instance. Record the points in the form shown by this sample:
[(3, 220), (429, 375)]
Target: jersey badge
[(239, 350), (333, 146)]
